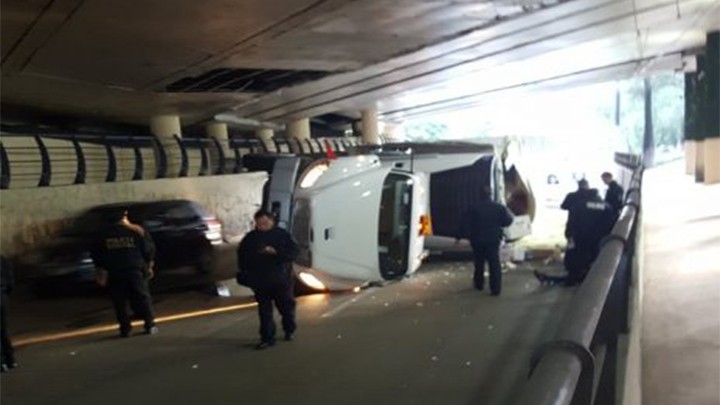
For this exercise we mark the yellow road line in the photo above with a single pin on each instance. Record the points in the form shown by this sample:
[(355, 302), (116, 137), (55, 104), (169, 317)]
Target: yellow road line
[(49, 337)]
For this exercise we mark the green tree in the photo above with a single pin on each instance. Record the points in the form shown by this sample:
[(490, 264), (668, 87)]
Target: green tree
[(667, 110)]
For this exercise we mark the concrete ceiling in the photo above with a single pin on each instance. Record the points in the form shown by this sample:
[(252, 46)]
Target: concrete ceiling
[(115, 60)]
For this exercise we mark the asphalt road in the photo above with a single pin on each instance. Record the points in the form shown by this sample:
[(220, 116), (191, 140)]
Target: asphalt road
[(429, 339)]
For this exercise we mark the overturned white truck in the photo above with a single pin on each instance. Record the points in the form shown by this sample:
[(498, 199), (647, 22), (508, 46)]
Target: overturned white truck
[(374, 215)]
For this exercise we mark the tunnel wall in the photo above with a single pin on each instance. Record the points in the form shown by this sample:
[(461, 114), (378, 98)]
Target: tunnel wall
[(33, 215)]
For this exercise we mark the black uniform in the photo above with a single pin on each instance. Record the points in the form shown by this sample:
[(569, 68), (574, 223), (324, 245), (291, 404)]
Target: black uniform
[(614, 196), (125, 251), (483, 227), (588, 223), (575, 197), (7, 282), (271, 277)]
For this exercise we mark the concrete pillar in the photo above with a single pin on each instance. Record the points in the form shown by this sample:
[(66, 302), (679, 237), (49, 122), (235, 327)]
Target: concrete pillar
[(690, 152), (299, 129), (165, 127), (712, 109), (265, 135), (711, 157), (370, 134), (700, 161), (691, 121), (219, 132), (356, 128), (695, 126)]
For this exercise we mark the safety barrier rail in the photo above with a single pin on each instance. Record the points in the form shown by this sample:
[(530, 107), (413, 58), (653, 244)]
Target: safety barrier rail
[(43, 160), (578, 366)]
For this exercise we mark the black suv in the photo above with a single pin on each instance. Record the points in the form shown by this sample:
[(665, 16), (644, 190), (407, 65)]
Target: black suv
[(183, 232)]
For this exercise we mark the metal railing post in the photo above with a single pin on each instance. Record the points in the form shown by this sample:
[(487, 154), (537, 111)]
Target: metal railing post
[(237, 167), (311, 150), (252, 147), (161, 163), (204, 161), (295, 146), (4, 169), (112, 164), (81, 172), (139, 164), (278, 149), (221, 156), (184, 163), (321, 149), (46, 170)]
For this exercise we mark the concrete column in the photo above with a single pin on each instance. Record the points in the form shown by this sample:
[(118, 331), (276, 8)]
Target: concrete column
[(690, 152), (219, 132), (165, 127), (712, 109), (690, 125), (265, 135), (694, 126), (299, 129), (700, 161), (356, 128), (370, 134), (711, 157)]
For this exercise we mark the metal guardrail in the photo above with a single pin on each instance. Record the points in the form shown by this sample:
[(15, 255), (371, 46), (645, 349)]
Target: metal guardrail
[(578, 366), (212, 155)]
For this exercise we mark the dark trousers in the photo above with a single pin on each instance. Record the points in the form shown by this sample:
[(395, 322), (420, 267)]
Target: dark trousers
[(133, 290), (8, 352), (284, 298), (578, 260), (487, 252)]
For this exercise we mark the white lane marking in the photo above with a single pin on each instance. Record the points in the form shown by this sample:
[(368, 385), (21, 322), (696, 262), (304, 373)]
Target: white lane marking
[(345, 304)]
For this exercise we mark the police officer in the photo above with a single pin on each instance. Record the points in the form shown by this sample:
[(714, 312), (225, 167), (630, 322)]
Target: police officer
[(124, 259), (265, 258), (588, 223), (579, 195), (7, 282), (484, 228), (614, 194)]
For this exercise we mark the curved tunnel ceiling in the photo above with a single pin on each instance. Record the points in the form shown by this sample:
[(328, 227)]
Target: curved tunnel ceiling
[(118, 60)]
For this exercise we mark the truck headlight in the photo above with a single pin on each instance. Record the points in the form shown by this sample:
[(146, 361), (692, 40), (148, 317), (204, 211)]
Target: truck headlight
[(311, 281), (313, 174)]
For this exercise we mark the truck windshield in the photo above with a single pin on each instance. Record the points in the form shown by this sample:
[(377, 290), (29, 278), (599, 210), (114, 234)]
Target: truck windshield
[(394, 225)]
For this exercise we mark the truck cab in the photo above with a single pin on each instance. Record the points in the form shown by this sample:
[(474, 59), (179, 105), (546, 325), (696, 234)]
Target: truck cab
[(356, 221)]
